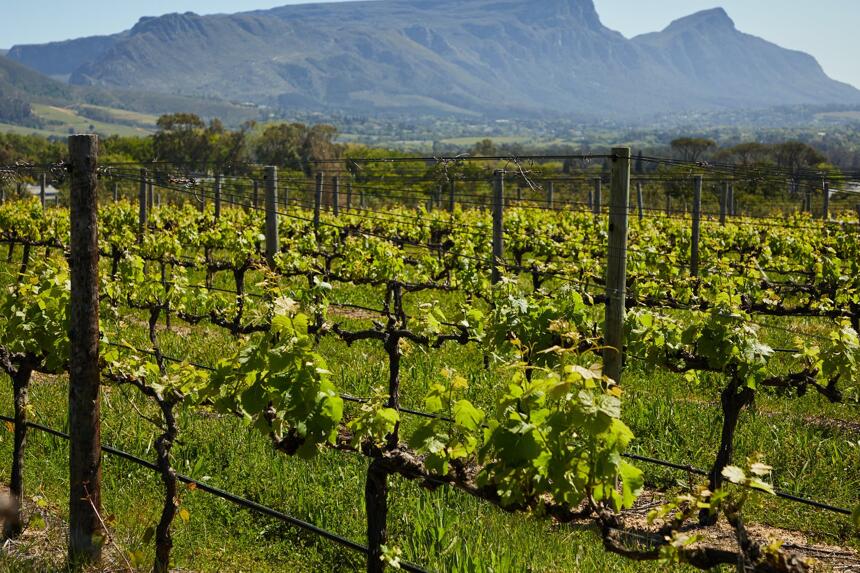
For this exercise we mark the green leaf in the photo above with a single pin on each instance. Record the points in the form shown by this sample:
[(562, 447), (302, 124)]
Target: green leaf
[(632, 482), (467, 416), (734, 474)]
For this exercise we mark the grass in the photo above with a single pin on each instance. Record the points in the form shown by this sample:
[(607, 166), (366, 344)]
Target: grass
[(443, 530)]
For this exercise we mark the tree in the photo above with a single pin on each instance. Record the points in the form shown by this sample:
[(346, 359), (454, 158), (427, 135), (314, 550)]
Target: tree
[(228, 150), (484, 148), (691, 148), (318, 145), (182, 139), (281, 145), (795, 156)]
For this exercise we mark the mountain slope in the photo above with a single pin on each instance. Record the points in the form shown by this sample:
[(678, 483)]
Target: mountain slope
[(21, 88), (725, 67), (487, 57)]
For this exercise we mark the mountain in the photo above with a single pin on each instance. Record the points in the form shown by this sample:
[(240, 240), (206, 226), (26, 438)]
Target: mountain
[(471, 57), (22, 89), (729, 68)]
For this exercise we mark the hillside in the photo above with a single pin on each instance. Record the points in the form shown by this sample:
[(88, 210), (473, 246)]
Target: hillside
[(470, 57), (32, 100)]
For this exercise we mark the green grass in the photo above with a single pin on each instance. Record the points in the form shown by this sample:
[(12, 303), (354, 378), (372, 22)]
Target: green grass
[(444, 530)]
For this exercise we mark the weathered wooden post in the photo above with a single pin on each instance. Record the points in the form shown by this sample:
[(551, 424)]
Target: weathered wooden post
[(218, 196), (115, 192), (724, 203), (349, 194), (142, 206), (598, 191), (697, 223), (452, 196), (826, 208), (498, 224), (550, 195), (731, 201), (85, 530), (271, 199), (335, 195), (616, 268), (318, 200), (43, 184), (639, 200)]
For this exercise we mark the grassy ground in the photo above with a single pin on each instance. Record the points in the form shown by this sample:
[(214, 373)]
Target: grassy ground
[(443, 530)]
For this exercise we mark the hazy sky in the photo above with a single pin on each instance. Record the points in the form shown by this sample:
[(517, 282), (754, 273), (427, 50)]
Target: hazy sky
[(827, 29)]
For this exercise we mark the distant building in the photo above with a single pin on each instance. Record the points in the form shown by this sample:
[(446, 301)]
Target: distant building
[(50, 191)]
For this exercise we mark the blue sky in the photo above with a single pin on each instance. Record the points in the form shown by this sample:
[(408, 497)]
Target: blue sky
[(827, 29)]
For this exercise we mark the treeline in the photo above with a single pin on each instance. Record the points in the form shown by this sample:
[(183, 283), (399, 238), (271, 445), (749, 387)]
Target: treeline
[(189, 142)]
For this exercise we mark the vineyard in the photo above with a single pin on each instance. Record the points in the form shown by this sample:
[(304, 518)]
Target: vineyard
[(434, 364)]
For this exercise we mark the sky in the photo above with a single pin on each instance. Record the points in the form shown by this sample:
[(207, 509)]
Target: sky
[(827, 29)]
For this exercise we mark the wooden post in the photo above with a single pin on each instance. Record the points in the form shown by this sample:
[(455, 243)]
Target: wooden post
[(639, 200), (218, 196), (724, 203), (43, 184), (272, 242), (550, 192), (697, 223), (452, 196), (826, 208), (115, 192), (731, 200), (349, 194), (616, 268), (335, 195), (591, 200), (498, 224), (85, 531), (141, 200), (318, 200), (256, 197), (598, 191)]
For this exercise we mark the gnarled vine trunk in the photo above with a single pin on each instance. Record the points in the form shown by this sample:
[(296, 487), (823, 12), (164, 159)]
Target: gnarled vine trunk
[(15, 519)]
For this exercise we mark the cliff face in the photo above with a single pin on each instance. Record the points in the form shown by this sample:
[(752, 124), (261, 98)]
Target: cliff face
[(489, 57)]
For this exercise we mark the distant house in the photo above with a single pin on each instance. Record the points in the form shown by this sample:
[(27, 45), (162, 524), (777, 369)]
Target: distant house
[(50, 191)]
